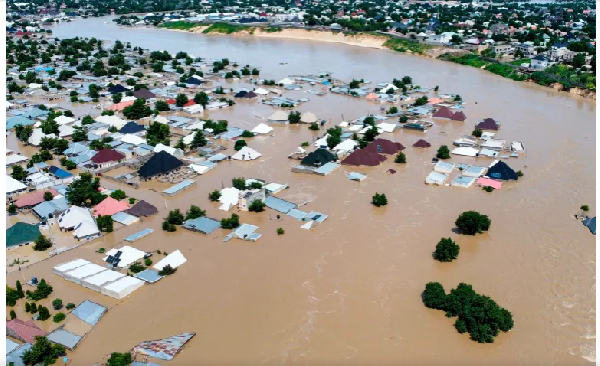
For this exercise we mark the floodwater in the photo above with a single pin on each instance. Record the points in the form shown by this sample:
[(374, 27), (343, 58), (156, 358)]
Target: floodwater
[(349, 290)]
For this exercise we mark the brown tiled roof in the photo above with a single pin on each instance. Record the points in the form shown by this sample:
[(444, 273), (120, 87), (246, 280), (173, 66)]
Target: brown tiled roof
[(383, 146), (24, 331), (105, 155), (422, 144), (363, 157)]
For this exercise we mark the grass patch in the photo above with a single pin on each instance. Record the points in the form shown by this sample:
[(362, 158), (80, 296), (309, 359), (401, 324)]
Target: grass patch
[(521, 61), (179, 25), (403, 45), (226, 28), (476, 61), (272, 29)]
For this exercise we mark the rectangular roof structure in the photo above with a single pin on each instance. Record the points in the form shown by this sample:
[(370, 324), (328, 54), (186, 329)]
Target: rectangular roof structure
[(139, 235), (128, 255), (202, 224), (474, 171), (16, 356), (148, 275), (11, 346), (327, 168), (316, 216), (463, 181), (97, 281), (67, 339), (275, 187), (124, 218), (174, 259), (82, 272), (443, 167), (279, 204), (436, 178), (69, 266), (297, 214), (164, 349), (89, 312), (122, 287), (179, 187)]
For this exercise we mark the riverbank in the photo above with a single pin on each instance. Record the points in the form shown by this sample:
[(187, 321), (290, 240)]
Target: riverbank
[(377, 41)]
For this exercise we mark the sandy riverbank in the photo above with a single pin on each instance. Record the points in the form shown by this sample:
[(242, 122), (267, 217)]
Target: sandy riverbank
[(360, 40)]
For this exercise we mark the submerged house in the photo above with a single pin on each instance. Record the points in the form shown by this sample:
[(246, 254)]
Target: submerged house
[(383, 146), (318, 158), (160, 163), (364, 157), (248, 196), (500, 170), (489, 124)]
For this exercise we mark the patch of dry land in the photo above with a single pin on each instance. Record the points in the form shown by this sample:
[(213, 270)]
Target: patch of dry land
[(361, 40)]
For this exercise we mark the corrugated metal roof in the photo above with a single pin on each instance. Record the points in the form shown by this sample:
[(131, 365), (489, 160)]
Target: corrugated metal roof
[(166, 348), (67, 339), (279, 204), (89, 312)]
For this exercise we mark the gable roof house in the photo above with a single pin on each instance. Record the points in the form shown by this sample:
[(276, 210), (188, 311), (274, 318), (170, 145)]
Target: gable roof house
[(160, 163), (106, 157), (25, 331)]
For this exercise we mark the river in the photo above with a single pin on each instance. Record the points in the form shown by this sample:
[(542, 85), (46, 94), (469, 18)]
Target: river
[(349, 290)]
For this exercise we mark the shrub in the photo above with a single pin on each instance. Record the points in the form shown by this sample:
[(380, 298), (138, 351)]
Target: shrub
[(214, 195), (33, 308), (379, 200), (314, 126), (239, 183), (400, 158), (48, 196), (43, 352), (27, 307), (57, 304), (488, 188), (148, 262), (280, 231), (42, 243), (239, 144), (392, 110), (477, 314), (520, 173), (168, 227), (446, 250), (42, 291), (118, 194), (443, 152), (70, 306), (477, 132), (136, 267), (119, 359), (403, 119), (58, 317), (175, 217), (194, 212), (44, 314), (257, 206), (167, 270), (247, 133), (304, 144), (585, 208), (13, 315), (12, 209), (472, 222), (294, 117), (230, 223)]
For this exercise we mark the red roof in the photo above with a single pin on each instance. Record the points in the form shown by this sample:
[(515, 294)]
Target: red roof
[(459, 116), (422, 144), (383, 146), (189, 103), (488, 124), (21, 33), (109, 206), (105, 155), (24, 331), (171, 101), (445, 112), (363, 157), (34, 198)]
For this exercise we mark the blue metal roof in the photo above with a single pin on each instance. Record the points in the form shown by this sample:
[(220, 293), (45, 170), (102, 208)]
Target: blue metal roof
[(89, 312), (148, 275), (202, 224), (62, 337), (280, 205), (18, 120), (59, 173), (316, 216), (53, 207), (139, 235), (297, 214), (16, 356)]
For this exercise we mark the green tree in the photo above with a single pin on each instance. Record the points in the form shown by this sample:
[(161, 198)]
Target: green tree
[(48, 196), (446, 250), (43, 352), (472, 222), (407, 80), (119, 359), (214, 195), (175, 217), (403, 119), (194, 212), (400, 158), (477, 132), (87, 120), (105, 223), (139, 109), (354, 84), (18, 172), (158, 133), (23, 133), (116, 98), (239, 144), (136, 267), (434, 296), (118, 194), (167, 270), (230, 223), (578, 60), (314, 126), (84, 191), (70, 306), (44, 313), (443, 152), (280, 231), (181, 100), (42, 243), (13, 315), (161, 106), (239, 183), (335, 136), (50, 126), (379, 200), (199, 140), (57, 304), (421, 101), (12, 209), (58, 317), (294, 117), (257, 206), (201, 98)]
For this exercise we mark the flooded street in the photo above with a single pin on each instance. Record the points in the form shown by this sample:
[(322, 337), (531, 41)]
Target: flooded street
[(348, 291)]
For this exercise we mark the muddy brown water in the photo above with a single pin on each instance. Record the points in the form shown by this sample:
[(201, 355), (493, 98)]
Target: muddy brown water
[(349, 290)]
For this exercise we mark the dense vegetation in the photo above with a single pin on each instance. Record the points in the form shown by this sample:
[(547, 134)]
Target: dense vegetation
[(446, 250), (472, 222), (477, 314), (226, 28)]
